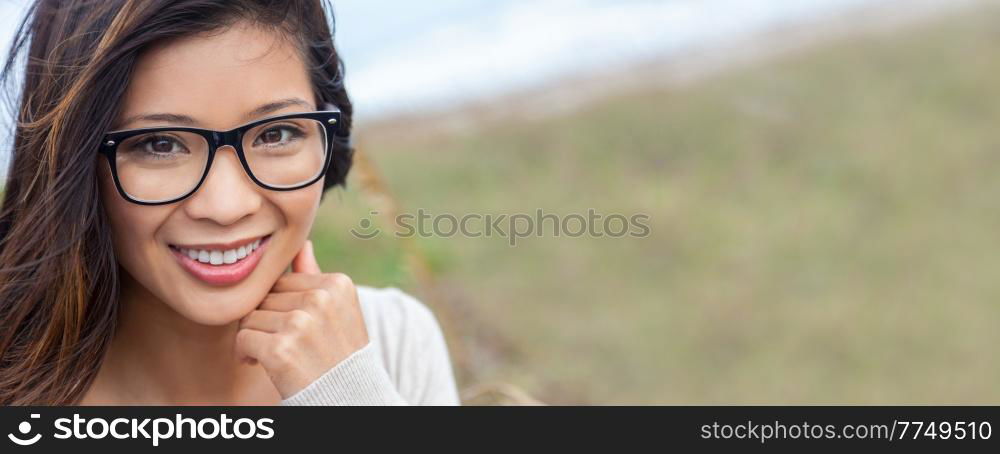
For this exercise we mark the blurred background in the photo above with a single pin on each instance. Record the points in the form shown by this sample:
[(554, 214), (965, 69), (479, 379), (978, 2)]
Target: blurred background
[(818, 176)]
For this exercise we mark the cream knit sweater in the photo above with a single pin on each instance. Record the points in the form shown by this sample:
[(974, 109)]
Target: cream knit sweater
[(404, 363)]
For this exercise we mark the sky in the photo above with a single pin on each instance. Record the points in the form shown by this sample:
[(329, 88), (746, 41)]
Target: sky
[(403, 56)]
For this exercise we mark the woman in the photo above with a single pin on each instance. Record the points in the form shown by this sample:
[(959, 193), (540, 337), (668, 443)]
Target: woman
[(169, 160)]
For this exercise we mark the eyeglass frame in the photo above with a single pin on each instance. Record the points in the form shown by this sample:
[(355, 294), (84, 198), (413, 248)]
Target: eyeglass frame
[(330, 119)]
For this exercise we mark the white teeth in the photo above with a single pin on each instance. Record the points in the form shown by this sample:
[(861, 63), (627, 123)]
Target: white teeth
[(217, 257)]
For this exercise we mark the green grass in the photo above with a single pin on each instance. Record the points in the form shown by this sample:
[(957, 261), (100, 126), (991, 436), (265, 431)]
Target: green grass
[(823, 230)]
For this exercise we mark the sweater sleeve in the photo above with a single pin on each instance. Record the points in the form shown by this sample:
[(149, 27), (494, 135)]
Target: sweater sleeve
[(410, 341), (357, 380)]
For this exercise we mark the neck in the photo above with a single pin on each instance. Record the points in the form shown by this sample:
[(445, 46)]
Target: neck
[(160, 357)]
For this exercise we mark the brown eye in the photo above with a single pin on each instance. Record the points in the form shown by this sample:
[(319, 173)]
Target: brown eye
[(278, 136), (271, 136), (162, 146)]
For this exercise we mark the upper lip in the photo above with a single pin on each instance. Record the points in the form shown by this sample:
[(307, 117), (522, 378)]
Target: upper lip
[(222, 246)]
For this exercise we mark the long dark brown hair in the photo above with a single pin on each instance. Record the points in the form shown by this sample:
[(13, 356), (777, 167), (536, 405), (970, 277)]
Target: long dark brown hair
[(66, 73)]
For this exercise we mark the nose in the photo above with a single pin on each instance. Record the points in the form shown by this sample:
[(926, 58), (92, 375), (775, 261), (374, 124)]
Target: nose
[(227, 195)]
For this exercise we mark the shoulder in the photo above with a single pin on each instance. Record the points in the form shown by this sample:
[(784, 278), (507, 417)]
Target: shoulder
[(399, 326), (392, 314), (405, 335)]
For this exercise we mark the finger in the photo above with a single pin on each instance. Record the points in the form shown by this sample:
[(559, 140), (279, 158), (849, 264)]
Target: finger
[(282, 302), (251, 344), (297, 282), (305, 260), (268, 321), (314, 303)]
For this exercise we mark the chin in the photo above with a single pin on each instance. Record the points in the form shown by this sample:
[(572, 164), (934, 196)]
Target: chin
[(219, 309)]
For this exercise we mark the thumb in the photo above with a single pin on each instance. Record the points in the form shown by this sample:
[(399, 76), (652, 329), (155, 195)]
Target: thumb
[(305, 260)]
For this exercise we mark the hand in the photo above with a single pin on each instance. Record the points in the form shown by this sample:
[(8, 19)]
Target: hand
[(307, 324)]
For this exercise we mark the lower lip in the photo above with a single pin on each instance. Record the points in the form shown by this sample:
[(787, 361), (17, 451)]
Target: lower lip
[(222, 274)]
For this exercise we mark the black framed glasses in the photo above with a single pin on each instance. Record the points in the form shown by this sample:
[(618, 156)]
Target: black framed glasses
[(161, 165)]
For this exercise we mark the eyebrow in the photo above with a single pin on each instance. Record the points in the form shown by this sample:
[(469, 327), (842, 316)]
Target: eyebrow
[(182, 119), (274, 107)]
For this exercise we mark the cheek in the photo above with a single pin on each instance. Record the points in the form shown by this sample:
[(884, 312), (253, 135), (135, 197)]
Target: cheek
[(133, 227), (298, 210), (299, 207), (118, 211)]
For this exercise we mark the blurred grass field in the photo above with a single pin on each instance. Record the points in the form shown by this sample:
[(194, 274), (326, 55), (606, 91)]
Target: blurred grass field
[(823, 230)]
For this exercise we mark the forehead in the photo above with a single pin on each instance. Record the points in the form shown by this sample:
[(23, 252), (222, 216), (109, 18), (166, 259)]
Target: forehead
[(216, 78)]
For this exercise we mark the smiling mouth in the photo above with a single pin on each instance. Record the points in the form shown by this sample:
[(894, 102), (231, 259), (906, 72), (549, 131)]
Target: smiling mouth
[(221, 264), (220, 256)]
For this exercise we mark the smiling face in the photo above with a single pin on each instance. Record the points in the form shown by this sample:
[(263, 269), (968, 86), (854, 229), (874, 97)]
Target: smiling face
[(218, 81)]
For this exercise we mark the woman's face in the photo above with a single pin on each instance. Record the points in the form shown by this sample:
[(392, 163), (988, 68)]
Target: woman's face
[(218, 81)]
